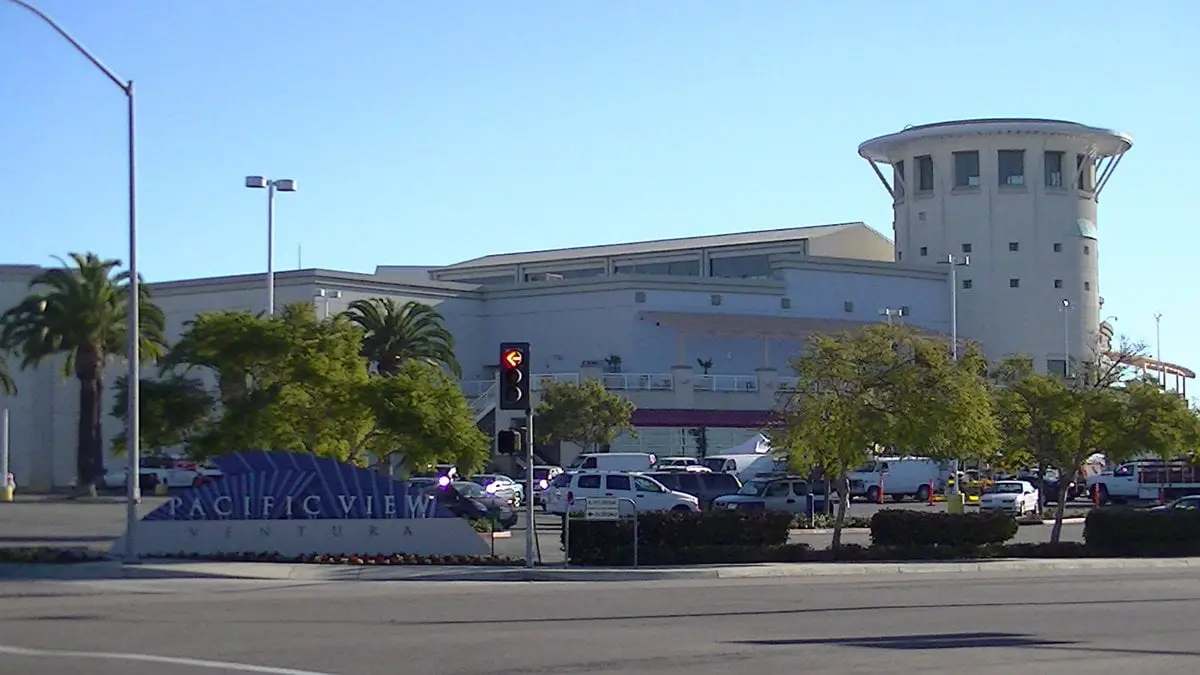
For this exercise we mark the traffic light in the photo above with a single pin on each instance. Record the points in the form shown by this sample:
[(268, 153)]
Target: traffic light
[(508, 442), (514, 376)]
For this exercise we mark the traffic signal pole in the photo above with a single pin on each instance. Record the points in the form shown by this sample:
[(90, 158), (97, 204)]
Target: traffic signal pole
[(530, 529)]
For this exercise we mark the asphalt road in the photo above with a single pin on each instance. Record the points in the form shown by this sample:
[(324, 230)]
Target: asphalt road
[(991, 624)]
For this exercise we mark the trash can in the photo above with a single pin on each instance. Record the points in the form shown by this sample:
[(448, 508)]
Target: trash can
[(956, 503)]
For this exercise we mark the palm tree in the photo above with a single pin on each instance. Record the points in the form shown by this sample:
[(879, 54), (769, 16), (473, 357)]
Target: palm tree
[(396, 333), (80, 311), (7, 386)]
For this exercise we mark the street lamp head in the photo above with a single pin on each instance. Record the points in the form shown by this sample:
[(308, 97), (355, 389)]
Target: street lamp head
[(285, 185), (1066, 303), (256, 182)]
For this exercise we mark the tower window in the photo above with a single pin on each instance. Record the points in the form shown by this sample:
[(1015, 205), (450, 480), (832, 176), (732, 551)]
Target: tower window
[(1014, 283), (1087, 285), (1057, 247), (966, 248), (966, 168), (847, 306), (1058, 283), (1087, 173), (1011, 166), (924, 173), (1087, 250), (967, 284), (1054, 168), (924, 251), (1014, 246)]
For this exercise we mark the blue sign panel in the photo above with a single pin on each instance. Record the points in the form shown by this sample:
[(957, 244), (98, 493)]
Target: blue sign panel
[(298, 486)]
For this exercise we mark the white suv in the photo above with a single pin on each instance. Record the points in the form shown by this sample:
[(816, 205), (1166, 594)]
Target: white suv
[(647, 493)]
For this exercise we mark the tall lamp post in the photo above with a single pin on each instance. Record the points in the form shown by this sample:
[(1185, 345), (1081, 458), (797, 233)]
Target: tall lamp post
[(954, 264), (326, 294), (892, 312), (134, 337), (282, 185), (1066, 309), (1162, 372)]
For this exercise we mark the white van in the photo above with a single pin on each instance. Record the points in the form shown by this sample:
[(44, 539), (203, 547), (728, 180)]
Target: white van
[(745, 467), (614, 461), (899, 477)]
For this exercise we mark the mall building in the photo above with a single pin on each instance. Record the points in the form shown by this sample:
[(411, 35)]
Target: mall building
[(994, 223)]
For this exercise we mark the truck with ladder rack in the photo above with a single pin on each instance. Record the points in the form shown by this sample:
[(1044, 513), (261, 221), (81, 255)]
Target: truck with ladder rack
[(1146, 481)]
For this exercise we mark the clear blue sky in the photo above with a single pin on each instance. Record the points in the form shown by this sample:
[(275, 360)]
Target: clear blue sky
[(431, 132)]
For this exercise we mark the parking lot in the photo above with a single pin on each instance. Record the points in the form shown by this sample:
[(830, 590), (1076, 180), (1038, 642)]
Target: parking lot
[(43, 521)]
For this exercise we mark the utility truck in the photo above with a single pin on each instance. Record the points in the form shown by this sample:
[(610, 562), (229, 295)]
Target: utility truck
[(1147, 480)]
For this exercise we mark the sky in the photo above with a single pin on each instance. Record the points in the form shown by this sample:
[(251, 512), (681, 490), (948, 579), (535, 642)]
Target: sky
[(434, 132)]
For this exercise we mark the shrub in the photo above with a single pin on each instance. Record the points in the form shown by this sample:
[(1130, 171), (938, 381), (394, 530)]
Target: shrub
[(1132, 532), (905, 528), (45, 554), (610, 543), (822, 521), (349, 558)]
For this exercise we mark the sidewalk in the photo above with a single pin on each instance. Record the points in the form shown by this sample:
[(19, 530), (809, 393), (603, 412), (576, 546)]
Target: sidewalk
[(313, 572)]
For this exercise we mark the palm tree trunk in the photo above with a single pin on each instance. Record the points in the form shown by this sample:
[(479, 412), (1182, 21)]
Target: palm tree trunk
[(89, 449)]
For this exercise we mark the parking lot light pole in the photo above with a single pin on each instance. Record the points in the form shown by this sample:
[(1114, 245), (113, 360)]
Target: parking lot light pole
[(132, 355), (954, 263), (280, 185)]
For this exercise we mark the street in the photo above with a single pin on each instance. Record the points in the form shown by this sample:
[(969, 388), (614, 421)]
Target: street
[(1137, 622)]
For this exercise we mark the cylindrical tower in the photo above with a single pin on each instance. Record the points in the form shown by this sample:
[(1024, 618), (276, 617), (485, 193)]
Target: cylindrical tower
[(1016, 200)]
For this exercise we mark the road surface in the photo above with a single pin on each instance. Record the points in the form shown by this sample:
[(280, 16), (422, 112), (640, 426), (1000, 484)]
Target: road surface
[(1096, 623)]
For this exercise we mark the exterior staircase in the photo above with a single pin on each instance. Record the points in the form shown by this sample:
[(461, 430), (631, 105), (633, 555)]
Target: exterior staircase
[(485, 403)]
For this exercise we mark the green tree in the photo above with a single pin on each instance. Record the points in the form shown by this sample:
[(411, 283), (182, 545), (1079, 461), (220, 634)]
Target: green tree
[(883, 386), (171, 411), (585, 414), (422, 418), (394, 333), (80, 311)]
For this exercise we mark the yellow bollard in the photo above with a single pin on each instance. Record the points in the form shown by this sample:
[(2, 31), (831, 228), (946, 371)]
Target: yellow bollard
[(955, 503), (160, 489), (6, 493)]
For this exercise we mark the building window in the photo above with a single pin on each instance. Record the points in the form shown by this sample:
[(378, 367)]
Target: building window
[(639, 296), (924, 173), (847, 307), (485, 281), (679, 268), (1054, 168), (1087, 173), (1087, 250), (1014, 246), (1058, 283), (898, 178), (785, 303), (966, 248), (741, 267), (714, 299), (558, 275), (1087, 285), (1011, 164), (1014, 283), (899, 256), (924, 251), (966, 169), (1057, 247), (1056, 367), (967, 284)]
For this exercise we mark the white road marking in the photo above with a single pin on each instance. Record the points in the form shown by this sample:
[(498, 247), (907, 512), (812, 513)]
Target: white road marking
[(152, 658)]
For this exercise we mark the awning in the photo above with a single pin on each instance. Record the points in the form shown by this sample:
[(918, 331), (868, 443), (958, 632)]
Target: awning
[(691, 418)]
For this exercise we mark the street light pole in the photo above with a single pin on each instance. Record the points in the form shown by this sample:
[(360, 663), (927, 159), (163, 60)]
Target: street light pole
[(954, 262), (133, 418), (282, 185), (1162, 372), (1066, 308)]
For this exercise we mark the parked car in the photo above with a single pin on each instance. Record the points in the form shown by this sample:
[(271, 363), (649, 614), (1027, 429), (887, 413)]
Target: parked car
[(469, 500), (1188, 503), (789, 494), (174, 472), (543, 476), (647, 493), (1017, 497), (704, 485), (501, 486), (678, 464)]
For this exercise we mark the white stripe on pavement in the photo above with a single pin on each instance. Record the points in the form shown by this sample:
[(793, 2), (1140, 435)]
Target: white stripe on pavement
[(152, 658)]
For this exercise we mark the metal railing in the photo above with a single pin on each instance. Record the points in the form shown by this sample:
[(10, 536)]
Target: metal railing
[(485, 402), (473, 389), (639, 381), (787, 383), (565, 378), (727, 383)]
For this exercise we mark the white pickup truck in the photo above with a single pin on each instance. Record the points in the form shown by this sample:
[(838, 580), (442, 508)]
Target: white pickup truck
[(1145, 481)]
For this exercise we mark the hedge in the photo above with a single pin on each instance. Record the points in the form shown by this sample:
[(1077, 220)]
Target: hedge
[(1132, 532), (666, 534), (905, 528)]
